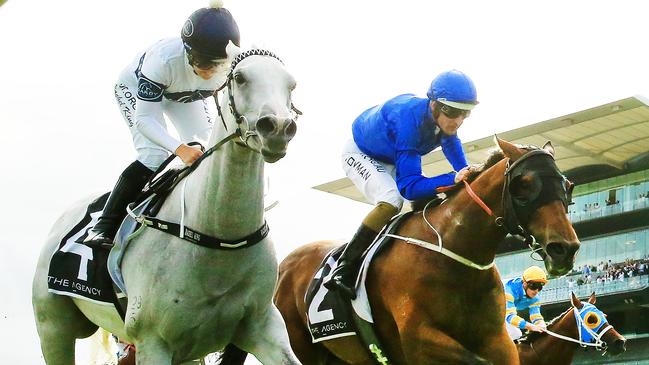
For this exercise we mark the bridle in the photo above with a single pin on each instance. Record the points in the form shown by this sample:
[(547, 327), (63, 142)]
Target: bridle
[(512, 209), (587, 336), (515, 211), (240, 119), (180, 229)]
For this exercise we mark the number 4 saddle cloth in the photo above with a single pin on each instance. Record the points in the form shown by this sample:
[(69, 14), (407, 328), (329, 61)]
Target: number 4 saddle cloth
[(77, 270)]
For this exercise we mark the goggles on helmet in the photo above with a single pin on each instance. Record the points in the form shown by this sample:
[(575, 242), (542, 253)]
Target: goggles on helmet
[(452, 112), (201, 61)]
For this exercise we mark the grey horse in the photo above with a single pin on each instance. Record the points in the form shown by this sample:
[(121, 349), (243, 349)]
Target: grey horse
[(185, 300)]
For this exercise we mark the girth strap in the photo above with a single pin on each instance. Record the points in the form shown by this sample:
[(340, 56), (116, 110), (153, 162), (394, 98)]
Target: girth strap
[(204, 240)]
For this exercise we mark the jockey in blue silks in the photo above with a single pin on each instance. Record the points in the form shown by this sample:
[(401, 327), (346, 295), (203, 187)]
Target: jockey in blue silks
[(383, 159), (522, 293)]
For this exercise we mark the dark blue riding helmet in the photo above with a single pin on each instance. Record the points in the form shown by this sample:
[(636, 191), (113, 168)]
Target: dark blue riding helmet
[(208, 31), (454, 89)]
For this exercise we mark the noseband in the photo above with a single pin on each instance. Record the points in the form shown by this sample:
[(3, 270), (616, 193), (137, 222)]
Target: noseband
[(239, 118)]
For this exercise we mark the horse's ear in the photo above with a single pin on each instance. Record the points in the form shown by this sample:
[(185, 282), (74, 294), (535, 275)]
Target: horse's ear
[(575, 301), (232, 50), (592, 299), (509, 149), (549, 147)]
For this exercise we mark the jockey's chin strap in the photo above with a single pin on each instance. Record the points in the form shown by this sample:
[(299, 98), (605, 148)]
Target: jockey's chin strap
[(596, 341)]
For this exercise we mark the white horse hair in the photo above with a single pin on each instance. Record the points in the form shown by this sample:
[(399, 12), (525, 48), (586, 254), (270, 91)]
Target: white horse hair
[(186, 301)]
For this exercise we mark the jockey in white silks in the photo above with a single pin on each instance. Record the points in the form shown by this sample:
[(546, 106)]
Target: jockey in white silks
[(172, 78), (523, 293), (384, 158)]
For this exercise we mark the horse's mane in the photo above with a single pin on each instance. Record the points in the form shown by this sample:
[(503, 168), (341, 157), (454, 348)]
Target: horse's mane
[(494, 157), (533, 336)]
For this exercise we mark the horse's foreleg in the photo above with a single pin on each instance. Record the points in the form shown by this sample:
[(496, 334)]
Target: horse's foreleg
[(267, 339), (427, 345), (152, 351)]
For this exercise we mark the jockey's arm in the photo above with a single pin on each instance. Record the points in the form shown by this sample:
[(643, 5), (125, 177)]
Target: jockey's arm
[(535, 314), (511, 316), (453, 151), (149, 119), (410, 181)]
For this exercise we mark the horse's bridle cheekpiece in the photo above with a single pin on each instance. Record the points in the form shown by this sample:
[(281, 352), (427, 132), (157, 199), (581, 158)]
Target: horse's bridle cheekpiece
[(513, 209), (517, 212), (240, 119)]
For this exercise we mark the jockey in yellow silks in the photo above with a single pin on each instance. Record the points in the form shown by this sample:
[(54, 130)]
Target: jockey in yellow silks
[(522, 293)]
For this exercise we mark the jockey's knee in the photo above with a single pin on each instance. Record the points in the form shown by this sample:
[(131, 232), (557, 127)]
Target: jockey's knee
[(514, 332), (380, 215), (391, 197)]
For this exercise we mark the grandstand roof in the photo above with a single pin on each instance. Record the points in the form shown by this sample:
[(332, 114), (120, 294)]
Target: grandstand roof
[(587, 148)]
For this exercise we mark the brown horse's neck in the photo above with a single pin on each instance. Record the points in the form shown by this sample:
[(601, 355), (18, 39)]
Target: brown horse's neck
[(465, 227), (547, 349)]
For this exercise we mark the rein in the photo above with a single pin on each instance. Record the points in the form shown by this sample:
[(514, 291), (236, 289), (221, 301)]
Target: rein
[(181, 231), (509, 220), (597, 336)]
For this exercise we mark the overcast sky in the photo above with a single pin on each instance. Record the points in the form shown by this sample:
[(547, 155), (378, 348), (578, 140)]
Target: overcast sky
[(63, 137)]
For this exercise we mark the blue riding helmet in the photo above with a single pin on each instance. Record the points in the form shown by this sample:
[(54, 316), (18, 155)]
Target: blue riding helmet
[(454, 89)]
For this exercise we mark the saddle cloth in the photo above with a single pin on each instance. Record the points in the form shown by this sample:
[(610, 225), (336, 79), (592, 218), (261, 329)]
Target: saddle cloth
[(94, 274), (328, 313), (77, 270)]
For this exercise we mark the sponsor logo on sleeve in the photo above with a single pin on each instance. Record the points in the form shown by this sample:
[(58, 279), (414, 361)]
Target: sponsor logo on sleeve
[(148, 90)]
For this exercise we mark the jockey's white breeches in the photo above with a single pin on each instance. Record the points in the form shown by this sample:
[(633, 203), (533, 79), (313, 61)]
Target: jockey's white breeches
[(375, 179), (191, 120), (514, 332)]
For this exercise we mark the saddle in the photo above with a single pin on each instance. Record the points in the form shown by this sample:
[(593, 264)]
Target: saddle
[(83, 272), (331, 315)]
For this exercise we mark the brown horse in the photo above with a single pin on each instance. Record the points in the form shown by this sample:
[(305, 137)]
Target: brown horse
[(592, 329), (432, 309)]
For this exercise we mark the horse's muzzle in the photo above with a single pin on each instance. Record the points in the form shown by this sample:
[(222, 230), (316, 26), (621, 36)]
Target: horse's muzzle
[(560, 256), (617, 347)]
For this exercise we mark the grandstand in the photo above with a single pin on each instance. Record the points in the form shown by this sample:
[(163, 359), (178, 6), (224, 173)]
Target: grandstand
[(605, 151)]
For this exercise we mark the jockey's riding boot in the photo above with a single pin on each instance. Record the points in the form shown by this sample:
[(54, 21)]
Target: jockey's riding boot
[(343, 277), (128, 187)]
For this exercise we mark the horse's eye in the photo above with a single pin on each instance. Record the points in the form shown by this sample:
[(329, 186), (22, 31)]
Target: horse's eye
[(525, 188), (239, 79)]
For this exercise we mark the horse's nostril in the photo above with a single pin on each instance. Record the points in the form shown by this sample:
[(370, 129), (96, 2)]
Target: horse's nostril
[(291, 128), (266, 125), (556, 249)]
